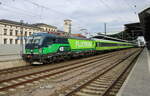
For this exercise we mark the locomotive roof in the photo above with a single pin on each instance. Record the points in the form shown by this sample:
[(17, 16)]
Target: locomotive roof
[(45, 34), (75, 37), (109, 38)]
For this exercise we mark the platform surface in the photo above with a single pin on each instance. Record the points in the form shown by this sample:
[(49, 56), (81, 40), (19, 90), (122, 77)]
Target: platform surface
[(138, 81), (9, 57)]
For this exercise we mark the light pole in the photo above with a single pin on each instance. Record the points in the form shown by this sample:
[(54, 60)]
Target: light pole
[(105, 28)]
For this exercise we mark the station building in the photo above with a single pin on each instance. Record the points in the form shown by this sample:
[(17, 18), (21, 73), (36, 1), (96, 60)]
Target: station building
[(10, 31)]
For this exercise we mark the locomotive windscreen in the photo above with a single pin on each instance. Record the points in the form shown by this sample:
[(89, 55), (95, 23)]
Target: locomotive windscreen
[(34, 42)]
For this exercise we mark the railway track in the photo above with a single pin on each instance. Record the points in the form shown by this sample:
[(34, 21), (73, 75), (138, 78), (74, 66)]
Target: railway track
[(103, 84), (32, 75), (11, 84), (11, 70), (113, 90), (17, 69)]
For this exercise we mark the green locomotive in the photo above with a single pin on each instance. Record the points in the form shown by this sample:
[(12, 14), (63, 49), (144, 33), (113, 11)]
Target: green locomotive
[(46, 48)]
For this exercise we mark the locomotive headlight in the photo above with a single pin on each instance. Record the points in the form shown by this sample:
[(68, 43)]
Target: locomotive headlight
[(61, 48)]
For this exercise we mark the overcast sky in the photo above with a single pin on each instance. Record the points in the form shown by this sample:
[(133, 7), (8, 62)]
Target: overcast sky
[(89, 14)]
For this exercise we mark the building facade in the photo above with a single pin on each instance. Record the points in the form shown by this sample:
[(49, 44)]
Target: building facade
[(46, 27), (11, 31)]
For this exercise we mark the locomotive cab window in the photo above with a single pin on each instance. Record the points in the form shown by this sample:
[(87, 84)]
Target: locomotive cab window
[(48, 41), (34, 40), (62, 40)]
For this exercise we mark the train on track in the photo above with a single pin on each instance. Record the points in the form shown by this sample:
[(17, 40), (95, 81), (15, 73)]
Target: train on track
[(44, 48)]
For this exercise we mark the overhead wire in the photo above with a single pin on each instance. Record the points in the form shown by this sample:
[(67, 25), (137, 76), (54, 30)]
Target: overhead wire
[(113, 11), (131, 7), (24, 12), (51, 10), (16, 10)]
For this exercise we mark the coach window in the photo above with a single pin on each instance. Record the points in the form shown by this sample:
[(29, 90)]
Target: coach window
[(5, 41), (97, 44), (103, 44), (100, 44)]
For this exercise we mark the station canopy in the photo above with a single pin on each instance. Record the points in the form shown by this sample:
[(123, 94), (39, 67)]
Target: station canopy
[(144, 17)]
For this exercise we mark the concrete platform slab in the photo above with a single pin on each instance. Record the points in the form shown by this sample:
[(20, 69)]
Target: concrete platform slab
[(11, 60), (138, 81), (9, 57), (12, 64)]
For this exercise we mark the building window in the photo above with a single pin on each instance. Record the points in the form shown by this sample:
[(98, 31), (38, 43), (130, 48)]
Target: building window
[(16, 32), (16, 27), (5, 25), (11, 41), (21, 33), (5, 41), (30, 33), (5, 31), (11, 32), (16, 41), (25, 33), (10, 26)]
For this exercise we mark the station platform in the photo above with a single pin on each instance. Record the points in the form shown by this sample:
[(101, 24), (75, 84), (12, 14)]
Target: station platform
[(138, 81), (9, 57), (11, 61)]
